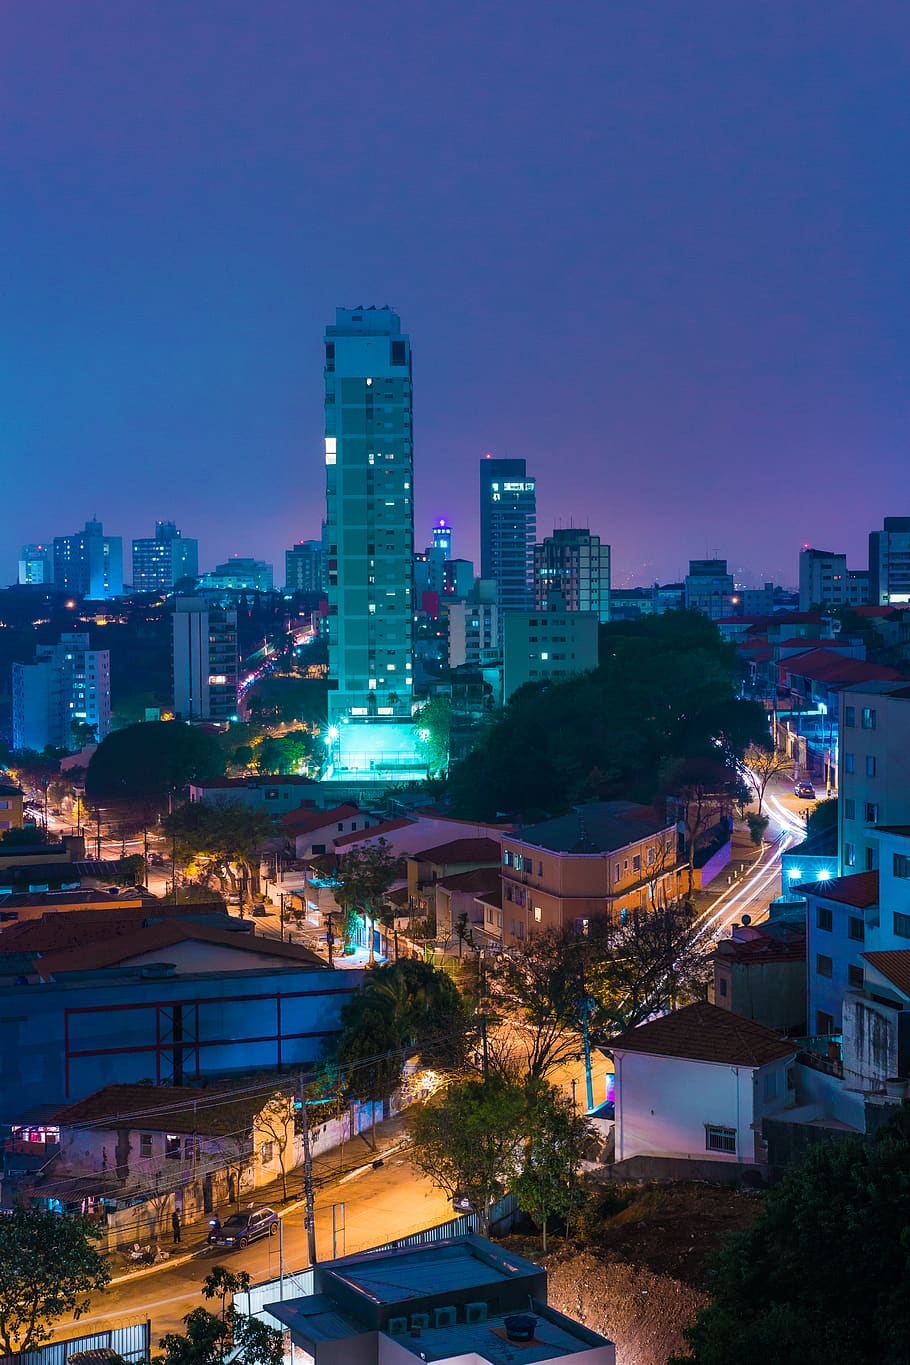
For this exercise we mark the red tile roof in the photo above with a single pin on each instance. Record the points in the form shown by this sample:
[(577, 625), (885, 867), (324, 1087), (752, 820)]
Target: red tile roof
[(210, 1111), (894, 965), (704, 1033), (823, 665), (65, 929), (479, 880), (757, 951), (375, 832), (304, 819), (462, 851), (859, 889)]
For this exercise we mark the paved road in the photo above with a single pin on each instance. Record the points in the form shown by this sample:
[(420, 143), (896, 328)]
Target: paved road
[(379, 1206)]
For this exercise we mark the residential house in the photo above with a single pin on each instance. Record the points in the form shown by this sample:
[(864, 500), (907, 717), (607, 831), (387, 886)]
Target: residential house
[(843, 918), (470, 894), (274, 793), (314, 831), (694, 1087), (461, 1301), (10, 807), (760, 974), (601, 860), (431, 865)]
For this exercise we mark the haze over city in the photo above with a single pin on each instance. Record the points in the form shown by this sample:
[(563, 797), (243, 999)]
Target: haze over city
[(660, 254)]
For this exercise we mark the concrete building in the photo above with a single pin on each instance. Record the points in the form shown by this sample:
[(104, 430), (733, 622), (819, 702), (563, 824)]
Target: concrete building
[(547, 646), (305, 567), (474, 638), (574, 565), (239, 574), (89, 563), (825, 581), (709, 588), (874, 741), (760, 974), (275, 792), (206, 662), (508, 531), (36, 564), (68, 685), (601, 861), (889, 563), (461, 1301), (694, 1087), (10, 807), (160, 561), (369, 460)]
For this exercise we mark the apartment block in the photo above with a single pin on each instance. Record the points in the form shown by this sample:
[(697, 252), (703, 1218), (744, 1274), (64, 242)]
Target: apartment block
[(206, 664), (547, 646), (67, 686), (89, 563), (709, 588), (508, 531), (574, 564), (36, 564), (161, 560), (874, 743), (889, 563)]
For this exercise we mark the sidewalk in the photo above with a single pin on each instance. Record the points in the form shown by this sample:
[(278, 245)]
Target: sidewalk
[(329, 1167)]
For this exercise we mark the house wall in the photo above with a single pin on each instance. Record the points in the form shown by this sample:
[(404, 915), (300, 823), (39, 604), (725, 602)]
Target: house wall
[(870, 1042), (771, 993), (664, 1103), (210, 957)]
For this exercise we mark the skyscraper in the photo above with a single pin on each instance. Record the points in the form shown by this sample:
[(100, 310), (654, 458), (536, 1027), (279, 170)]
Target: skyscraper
[(369, 514), (67, 686), (304, 567), (89, 563), (508, 530), (576, 565), (205, 659), (161, 560)]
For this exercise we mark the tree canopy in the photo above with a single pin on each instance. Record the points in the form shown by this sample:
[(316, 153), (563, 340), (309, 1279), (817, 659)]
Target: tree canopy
[(49, 1266), (210, 1338), (665, 693), (225, 837), (823, 1273), (365, 875), (149, 760)]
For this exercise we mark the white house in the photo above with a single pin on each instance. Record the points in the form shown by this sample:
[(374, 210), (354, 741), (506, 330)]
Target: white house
[(696, 1084)]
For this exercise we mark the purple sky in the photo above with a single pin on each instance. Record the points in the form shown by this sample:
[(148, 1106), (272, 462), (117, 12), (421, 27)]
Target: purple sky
[(661, 251)]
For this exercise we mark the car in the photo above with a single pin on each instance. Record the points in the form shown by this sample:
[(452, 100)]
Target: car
[(805, 790), (242, 1228)]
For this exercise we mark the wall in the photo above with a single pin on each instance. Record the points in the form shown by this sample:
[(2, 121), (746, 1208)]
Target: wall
[(869, 1042), (704, 875)]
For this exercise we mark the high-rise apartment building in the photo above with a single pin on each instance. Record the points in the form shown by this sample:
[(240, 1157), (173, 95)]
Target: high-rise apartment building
[(160, 561), (575, 564), (474, 628), (709, 588), (36, 564), (89, 563), (67, 686), (547, 646), (825, 581), (370, 514), (205, 660), (889, 563), (305, 567), (508, 530)]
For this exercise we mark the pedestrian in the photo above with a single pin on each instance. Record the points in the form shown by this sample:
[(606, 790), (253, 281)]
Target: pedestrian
[(175, 1224)]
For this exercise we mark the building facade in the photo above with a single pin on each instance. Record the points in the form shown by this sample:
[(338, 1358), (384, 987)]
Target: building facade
[(305, 567), (160, 561), (546, 646), (508, 531), (574, 564), (206, 663), (873, 744), (67, 686), (239, 574), (889, 563), (709, 588), (89, 563), (36, 564)]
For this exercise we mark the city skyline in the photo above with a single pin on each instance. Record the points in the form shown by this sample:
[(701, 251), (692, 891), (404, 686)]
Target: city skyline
[(676, 283)]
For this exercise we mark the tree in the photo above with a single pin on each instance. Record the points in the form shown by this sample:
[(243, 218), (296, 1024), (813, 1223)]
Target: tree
[(82, 733), (822, 822), (27, 834), (425, 1008), (48, 1267), (649, 964), (369, 1053), (226, 837), (470, 1141), (211, 1337), (704, 787), (759, 764), (151, 760), (365, 876), (433, 724), (276, 1120), (757, 826), (775, 1295), (549, 1184), (540, 989)]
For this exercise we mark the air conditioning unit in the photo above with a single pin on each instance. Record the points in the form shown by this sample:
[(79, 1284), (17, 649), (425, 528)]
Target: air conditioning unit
[(420, 1320), (475, 1312), (446, 1317), (397, 1327)]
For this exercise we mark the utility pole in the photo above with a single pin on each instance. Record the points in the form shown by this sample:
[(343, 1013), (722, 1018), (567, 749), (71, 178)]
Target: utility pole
[(281, 897), (310, 1203), (98, 833), (585, 1007), (330, 936)]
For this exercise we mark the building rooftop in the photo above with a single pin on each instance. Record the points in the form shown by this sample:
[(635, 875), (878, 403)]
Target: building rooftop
[(478, 879), (859, 889), (461, 851), (7, 789), (894, 965), (787, 944), (210, 1111), (827, 666), (376, 832), (599, 827), (705, 1033), (304, 819)]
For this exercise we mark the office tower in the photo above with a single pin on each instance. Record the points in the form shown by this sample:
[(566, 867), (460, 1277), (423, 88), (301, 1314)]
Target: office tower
[(89, 563), (508, 530), (369, 514), (205, 660), (239, 574), (709, 588), (575, 564), (68, 685), (160, 561), (36, 564), (305, 567), (889, 563)]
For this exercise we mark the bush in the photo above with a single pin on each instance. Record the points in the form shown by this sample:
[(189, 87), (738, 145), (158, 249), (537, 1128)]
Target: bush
[(757, 826)]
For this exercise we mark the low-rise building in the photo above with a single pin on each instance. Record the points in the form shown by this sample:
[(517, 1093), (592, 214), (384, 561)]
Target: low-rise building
[(314, 831), (430, 865), (547, 646), (596, 862), (11, 798), (275, 792), (694, 1086), (461, 1301), (760, 974)]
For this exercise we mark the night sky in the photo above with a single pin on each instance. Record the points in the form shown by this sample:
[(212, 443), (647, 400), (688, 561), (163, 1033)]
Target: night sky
[(659, 249)]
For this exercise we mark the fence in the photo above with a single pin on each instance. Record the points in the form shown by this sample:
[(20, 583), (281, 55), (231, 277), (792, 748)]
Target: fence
[(132, 1342), (302, 1282)]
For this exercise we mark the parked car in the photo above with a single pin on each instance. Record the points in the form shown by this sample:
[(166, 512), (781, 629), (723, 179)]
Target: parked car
[(805, 790), (242, 1228)]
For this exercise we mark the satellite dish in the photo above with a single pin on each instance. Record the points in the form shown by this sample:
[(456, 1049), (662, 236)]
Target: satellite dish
[(747, 919)]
